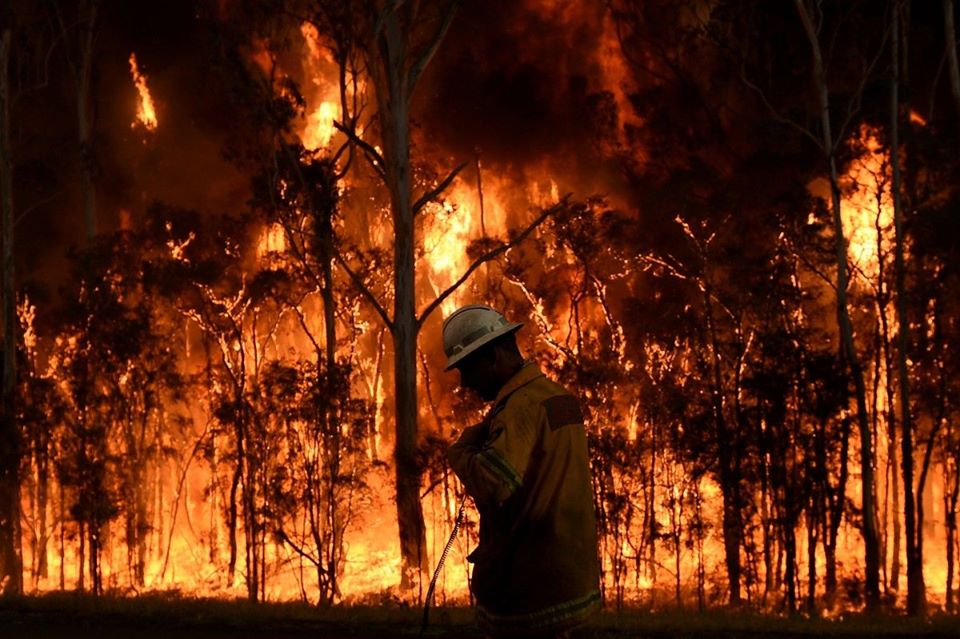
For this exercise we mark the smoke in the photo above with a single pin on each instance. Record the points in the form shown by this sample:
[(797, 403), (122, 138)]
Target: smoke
[(529, 86)]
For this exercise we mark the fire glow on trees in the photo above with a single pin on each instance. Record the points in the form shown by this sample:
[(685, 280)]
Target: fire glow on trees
[(215, 413)]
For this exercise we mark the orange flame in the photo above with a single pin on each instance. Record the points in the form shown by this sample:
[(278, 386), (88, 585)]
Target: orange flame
[(319, 129), (146, 112), (867, 209)]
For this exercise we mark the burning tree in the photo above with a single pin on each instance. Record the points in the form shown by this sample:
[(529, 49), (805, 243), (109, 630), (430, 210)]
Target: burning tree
[(755, 311)]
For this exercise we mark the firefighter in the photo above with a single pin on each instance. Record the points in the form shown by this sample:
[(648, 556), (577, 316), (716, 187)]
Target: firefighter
[(536, 572)]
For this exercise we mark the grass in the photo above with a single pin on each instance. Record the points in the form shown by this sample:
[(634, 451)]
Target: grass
[(169, 615)]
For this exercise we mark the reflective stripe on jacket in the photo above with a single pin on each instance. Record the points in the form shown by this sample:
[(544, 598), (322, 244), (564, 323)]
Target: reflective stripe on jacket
[(527, 468)]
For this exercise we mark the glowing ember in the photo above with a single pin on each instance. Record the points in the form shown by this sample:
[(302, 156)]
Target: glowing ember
[(146, 112)]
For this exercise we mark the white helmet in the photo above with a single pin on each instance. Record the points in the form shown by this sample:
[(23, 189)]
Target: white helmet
[(471, 327)]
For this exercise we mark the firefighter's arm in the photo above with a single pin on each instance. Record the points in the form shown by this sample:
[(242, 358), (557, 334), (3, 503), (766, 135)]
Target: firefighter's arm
[(492, 468)]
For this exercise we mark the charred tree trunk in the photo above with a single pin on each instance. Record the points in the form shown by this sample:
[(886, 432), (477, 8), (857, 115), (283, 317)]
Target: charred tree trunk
[(332, 542), (729, 475), (11, 560), (63, 533), (848, 351), (788, 530), (248, 465), (884, 354), (136, 522), (767, 523), (916, 596), (82, 556), (812, 519), (833, 511), (42, 454), (95, 583), (232, 513), (892, 465)]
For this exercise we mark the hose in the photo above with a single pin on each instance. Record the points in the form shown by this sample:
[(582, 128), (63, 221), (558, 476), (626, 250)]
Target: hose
[(443, 557)]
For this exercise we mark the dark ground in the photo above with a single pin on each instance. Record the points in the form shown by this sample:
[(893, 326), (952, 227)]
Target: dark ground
[(59, 616)]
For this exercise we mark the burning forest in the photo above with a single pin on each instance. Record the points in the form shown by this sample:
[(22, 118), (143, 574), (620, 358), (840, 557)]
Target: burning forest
[(231, 232)]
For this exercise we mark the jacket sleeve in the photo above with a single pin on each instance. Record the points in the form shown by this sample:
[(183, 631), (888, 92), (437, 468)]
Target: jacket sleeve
[(491, 465)]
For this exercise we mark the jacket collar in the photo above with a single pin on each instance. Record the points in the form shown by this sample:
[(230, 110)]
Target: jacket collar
[(522, 377)]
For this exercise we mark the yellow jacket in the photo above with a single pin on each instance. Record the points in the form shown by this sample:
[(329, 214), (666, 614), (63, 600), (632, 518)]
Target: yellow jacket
[(527, 468)]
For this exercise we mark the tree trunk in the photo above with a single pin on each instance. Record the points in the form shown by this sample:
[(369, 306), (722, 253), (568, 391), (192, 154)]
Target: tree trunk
[(84, 70), (82, 556), (812, 518), (393, 99), (729, 477), (884, 353), (767, 523), (43, 498), (11, 559), (61, 502), (893, 475), (950, 41), (914, 531), (651, 517), (834, 511), (790, 544), (871, 540), (323, 223), (232, 515), (950, 498), (96, 586)]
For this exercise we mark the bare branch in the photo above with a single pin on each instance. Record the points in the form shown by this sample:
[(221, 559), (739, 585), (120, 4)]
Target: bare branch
[(432, 194), (282, 535), (376, 160), (364, 290), (417, 69), (301, 318), (816, 270), (36, 205), (492, 254), (43, 76), (853, 106), (775, 112)]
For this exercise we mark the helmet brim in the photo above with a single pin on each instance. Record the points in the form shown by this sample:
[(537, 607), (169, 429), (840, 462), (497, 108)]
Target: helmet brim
[(453, 360)]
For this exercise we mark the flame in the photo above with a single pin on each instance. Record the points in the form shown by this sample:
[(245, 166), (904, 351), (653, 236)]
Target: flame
[(146, 113), (867, 208), (454, 223), (318, 130), (272, 240), (188, 548)]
